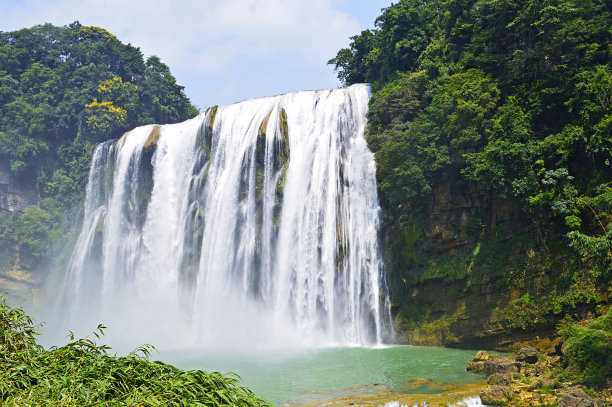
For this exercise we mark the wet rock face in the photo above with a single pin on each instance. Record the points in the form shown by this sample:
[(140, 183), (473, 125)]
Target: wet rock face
[(12, 196), (527, 354), (577, 398), (452, 245), (449, 229), (450, 209)]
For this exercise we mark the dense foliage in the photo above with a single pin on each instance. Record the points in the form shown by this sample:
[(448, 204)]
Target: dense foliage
[(62, 90), (504, 101), (588, 349), (83, 373), (514, 95)]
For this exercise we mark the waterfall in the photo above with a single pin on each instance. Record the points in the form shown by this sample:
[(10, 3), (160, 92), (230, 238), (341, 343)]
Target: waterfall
[(251, 223)]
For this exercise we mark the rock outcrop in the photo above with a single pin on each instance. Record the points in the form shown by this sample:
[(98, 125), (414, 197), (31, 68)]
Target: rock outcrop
[(21, 286), (496, 395), (468, 269), (577, 398), (519, 383), (527, 354), (13, 197)]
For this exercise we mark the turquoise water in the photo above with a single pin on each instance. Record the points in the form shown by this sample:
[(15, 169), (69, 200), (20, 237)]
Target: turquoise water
[(325, 373)]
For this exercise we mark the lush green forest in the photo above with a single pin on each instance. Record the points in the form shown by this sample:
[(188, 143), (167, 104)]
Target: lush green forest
[(62, 90), (491, 122)]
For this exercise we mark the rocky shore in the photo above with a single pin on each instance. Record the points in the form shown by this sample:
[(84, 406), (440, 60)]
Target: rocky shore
[(447, 395), (533, 378)]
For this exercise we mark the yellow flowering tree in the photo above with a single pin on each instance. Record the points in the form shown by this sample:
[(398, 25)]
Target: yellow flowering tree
[(122, 93), (88, 32), (104, 118), (113, 110)]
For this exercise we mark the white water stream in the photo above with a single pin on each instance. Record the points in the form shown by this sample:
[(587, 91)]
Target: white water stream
[(253, 224)]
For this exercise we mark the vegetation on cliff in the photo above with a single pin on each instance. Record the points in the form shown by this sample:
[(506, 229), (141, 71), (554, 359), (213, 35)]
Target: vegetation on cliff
[(62, 90), (491, 122), (84, 373)]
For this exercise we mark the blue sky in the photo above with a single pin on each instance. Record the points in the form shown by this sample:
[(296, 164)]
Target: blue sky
[(222, 51)]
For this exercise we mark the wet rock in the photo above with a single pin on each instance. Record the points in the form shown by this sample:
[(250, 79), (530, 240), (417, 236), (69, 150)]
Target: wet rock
[(481, 355), (502, 379), (475, 367), (577, 398), (496, 395), (527, 354), (151, 143), (500, 365)]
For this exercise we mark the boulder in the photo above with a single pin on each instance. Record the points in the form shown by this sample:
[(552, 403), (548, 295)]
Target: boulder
[(577, 398), (496, 395), (475, 367), (500, 365), (527, 354), (481, 355), (502, 379)]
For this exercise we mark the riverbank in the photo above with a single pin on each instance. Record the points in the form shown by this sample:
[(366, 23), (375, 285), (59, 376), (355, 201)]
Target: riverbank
[(535, 378)]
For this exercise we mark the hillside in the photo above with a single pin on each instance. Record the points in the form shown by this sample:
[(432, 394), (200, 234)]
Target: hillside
[(62, 90), (491, 122)]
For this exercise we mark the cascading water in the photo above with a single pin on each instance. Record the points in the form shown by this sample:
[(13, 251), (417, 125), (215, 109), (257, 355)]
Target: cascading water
[(254, 222)]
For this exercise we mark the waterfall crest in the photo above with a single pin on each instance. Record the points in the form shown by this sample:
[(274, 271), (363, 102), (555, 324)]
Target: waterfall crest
[(254, 222)]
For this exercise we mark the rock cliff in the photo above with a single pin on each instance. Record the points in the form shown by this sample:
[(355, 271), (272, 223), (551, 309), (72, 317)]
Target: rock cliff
[(13, 196), (470, 269)]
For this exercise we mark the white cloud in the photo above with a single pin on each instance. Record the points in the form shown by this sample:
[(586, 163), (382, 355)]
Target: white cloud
[(205, 35), (222, 51)]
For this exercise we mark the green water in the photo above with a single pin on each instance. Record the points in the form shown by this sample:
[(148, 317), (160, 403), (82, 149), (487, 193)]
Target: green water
[(326, 373)]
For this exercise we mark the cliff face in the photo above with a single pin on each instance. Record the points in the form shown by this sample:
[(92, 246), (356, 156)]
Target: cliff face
[(469, 269), (21, 286), (18, 280), (13, 197), (453, 215)]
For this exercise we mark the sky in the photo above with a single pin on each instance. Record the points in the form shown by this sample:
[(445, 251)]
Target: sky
[(222, 51)]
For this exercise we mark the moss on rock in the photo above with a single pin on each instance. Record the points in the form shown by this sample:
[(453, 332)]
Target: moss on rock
[(151, 142)]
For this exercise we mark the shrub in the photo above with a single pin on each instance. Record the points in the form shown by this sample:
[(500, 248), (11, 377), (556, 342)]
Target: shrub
[(588, 349), (84, 373)]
